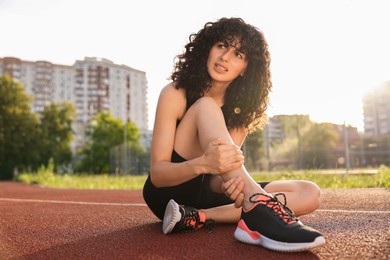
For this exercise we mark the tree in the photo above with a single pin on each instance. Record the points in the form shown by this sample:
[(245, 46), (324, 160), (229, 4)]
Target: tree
[(138, 161), (18, 129), (286, 149), (104, 133), (318, 146), (254, 150), (295, 127), (56, 133)]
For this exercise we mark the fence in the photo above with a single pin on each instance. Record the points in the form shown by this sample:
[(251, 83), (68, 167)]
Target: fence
[(125, 160)]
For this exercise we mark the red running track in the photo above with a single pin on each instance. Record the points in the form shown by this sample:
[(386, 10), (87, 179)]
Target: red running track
[(48, 223)]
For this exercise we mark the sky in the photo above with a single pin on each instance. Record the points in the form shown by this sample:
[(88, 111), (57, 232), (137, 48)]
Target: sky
[(325, 54)]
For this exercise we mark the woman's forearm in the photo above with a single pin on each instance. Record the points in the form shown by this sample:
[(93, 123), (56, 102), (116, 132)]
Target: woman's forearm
[(167, 174)]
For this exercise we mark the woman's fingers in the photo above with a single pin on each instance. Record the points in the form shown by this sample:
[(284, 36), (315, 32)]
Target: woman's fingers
[(233, 189), (238, 202), (221, 157)]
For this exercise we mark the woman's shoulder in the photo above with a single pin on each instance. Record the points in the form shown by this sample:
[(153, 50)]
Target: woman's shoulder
[(174, 99), (172, 91)]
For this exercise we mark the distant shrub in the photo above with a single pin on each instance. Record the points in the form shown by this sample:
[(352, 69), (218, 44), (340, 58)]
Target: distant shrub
[(384, 177)]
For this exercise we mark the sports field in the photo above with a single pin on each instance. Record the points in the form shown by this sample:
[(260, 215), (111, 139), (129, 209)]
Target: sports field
[(51, 223)]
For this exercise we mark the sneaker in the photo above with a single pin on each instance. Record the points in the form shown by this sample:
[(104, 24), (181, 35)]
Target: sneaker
[(179, 219), (271, 224)]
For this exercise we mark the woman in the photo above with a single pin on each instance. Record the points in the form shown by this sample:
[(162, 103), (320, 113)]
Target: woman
[(218, 95)]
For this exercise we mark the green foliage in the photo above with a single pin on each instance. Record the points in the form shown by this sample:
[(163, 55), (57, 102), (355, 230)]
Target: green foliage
[(384, 177), (318, 145), (253, 149), (326, 178), (56, 133), (44, 175), (104, 133), (295, 128), (26, 140), (84, 181), (19, 130), (296, 125)]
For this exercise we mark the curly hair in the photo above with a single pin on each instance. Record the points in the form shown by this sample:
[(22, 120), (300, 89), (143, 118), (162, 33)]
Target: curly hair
[(249, 92)]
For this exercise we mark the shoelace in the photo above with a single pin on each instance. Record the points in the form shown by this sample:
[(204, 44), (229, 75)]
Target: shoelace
[(192, 221), (210, 225), (280, 208), (284, 205)]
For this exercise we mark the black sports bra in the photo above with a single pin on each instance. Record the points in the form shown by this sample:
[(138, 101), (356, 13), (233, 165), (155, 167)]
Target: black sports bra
[(176, 158)]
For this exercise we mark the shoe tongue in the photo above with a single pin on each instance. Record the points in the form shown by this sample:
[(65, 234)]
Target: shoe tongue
[(256, 200), (262, 197)]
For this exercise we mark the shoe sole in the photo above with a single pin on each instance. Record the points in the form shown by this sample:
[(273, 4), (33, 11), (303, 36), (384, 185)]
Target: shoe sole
[(242, 235), (172, 215)]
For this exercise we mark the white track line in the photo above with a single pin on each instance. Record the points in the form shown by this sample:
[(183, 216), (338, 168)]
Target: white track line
[(75, 202), (144, 205), (355, 211)]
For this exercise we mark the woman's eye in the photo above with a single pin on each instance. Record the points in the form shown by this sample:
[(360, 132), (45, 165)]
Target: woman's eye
[(221, 45), (240, 55)]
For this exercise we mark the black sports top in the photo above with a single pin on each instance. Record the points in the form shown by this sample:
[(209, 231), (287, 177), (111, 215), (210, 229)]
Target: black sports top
[(176, 158)]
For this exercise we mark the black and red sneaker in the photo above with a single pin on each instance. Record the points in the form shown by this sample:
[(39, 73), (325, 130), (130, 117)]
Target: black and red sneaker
[(271, 224), (180, 219)]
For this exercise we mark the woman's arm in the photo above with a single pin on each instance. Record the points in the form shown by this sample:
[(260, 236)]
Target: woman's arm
[(216, 159)]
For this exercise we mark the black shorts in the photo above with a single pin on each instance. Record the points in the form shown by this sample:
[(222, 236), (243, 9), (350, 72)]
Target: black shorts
[(195, 193)]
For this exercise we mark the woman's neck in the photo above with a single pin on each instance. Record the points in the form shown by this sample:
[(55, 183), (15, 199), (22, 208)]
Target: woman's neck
[(217, 92)]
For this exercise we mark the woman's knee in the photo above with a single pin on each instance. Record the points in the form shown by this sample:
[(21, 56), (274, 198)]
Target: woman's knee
[(205, 103), (207, 113), (312, 193)]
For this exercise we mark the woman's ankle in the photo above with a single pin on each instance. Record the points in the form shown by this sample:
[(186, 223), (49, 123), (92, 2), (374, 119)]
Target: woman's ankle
[(251, 197)]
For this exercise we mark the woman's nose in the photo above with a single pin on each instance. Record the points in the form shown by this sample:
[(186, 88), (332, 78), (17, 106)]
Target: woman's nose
[(225, 56)]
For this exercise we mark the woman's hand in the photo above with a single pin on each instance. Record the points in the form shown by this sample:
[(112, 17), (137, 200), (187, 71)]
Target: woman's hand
[(233, 189), (221, 157)]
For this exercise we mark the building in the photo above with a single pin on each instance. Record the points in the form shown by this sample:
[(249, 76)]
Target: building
[(376, 108), (101, 85), (91, 85), (375, 145), (275, 133)]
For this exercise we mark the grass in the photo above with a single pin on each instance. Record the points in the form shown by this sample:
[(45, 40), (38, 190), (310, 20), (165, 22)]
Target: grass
[(362, 178), (334, 178)]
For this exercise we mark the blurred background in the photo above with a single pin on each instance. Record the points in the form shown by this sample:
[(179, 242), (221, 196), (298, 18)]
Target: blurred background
[(81, 81)]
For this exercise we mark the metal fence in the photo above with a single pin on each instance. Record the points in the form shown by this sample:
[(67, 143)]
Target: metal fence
[(126, 160)]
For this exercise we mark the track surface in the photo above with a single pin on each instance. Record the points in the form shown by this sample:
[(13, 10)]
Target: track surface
[(48, 223)]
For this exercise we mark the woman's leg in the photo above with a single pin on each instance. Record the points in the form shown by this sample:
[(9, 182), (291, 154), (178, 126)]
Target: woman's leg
[(203, 123), (303, 197), (258, 224)]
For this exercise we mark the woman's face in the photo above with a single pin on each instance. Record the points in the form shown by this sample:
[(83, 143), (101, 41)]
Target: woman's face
[(226, 62)]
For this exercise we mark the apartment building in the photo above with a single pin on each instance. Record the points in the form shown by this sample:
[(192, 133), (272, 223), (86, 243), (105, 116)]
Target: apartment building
[(91, 85), (275, 133), (376, 108), (375, 145), (41, 79)]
